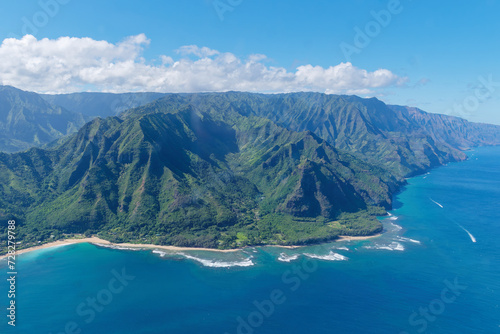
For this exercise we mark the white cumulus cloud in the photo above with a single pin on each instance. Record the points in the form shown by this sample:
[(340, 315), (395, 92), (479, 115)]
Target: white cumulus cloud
[(69, 64)]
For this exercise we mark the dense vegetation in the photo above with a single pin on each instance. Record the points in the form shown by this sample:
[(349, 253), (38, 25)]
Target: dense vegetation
[(367, 128), (27, 120), (186, 179), (33, 120), (228, 170)]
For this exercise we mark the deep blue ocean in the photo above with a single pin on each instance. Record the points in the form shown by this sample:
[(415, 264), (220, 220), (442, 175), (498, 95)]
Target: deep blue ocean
[(425, 274)]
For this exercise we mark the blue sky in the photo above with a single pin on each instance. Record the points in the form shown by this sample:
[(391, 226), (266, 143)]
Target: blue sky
[(440, 56)]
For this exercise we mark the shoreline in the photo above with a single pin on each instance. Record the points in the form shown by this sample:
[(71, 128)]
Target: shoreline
[(354, 238), (101, 242)]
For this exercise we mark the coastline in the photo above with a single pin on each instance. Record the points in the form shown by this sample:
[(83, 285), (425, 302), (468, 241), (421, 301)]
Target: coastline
[(57, 243), (351, 238), (101, 242)]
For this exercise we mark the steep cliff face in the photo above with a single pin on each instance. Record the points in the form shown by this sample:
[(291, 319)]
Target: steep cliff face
[(405, 140), (92, 105), (27, 120), (184, 173), (400, 139), (455, 131), (223, 170)]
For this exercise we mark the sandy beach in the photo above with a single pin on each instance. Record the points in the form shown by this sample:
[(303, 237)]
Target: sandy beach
[(99, 241), (58, 243), (349, 238)]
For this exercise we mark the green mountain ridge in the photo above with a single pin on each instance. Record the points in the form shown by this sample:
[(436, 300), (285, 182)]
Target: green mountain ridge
[(29, 119), (456, 131), (367, 128), (225, 170), (26, 120), (93, 105), (186, 179)]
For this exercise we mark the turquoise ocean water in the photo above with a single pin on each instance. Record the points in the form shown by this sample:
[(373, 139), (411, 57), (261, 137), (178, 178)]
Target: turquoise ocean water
[(424, 275)]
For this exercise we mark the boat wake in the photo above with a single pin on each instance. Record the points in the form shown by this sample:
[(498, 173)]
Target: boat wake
[(470, 234), (441, 206)]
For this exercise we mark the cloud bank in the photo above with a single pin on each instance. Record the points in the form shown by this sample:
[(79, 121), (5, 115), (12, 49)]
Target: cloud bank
[(69, 64)]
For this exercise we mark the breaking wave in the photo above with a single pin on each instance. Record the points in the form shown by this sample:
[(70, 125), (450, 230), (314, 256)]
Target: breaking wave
[(162, 254), (392, 246), (397, 227), (219, 264), (330, 257), (287, 258), (119, 247), (403, 239)]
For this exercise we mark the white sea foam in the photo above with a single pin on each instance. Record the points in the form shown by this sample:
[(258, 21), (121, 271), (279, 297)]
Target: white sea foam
[(330, 257), (159, 252), (403, 239), (219, 264), (119, 247), (392, 246), (287, 258), (391, 216), (397, 227), (343, 248), (61, 245)]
